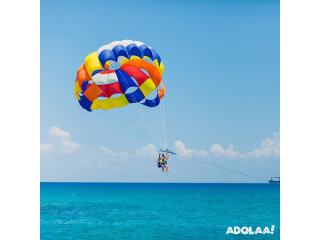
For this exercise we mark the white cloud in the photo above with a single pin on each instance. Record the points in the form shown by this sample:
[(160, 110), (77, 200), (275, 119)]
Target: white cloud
[(229, 152), (182, 150), (148, 150), (61, 141), (269, 147), (109, 152), (45, 147)]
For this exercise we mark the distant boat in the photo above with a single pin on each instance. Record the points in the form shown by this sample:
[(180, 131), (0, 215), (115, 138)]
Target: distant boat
[(274, 180)]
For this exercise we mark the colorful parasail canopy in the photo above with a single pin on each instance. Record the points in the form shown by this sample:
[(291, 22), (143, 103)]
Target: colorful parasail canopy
[(118, 74)]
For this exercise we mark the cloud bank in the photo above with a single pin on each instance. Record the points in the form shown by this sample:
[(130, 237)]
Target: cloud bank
[(268, 147), (148, 150), (60, 141), (229, 152), (180, 149)]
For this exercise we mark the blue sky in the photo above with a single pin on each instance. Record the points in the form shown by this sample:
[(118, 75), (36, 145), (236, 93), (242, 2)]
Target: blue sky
[(222, 75)]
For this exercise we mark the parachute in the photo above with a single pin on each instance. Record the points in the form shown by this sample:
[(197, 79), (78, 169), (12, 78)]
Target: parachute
[(130, 69), (121, 74)]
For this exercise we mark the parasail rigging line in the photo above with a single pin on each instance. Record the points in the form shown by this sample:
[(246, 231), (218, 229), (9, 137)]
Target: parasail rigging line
[(217, 166), (147, 124)]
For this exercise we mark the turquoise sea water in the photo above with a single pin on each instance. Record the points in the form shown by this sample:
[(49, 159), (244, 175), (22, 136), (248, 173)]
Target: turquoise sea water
[(157, 210)]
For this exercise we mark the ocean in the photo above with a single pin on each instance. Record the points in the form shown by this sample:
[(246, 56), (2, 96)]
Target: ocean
[(158, 210)]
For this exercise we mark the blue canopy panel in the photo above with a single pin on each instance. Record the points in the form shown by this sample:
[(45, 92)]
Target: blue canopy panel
[(152, 103), (135, 96), (145, 51), (133, 50), (155, 55), (126, 82), (85, 103), (120, 50), (97, 71), (106, 55), (84, 86)]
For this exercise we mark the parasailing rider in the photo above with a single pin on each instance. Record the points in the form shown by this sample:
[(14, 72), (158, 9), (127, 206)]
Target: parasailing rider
[(164, 163)]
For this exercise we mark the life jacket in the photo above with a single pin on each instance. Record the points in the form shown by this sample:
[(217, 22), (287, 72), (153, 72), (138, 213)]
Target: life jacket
[(164, 160)]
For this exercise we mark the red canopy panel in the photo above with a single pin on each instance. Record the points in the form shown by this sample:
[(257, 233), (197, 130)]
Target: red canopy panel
[(109, 89), (136, 73)]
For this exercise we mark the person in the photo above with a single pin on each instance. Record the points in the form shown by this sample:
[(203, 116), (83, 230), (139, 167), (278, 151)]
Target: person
[(164, 162), (159, 161)]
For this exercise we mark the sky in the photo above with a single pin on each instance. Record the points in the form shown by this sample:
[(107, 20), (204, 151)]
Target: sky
[(222, 103)]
